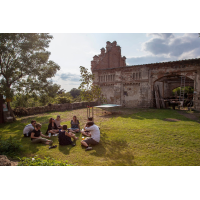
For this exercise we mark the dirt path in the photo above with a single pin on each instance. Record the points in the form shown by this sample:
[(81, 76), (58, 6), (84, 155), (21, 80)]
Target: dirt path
[(193, 116)]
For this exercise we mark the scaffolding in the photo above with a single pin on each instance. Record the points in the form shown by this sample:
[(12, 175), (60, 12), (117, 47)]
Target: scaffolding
[(182, 91)]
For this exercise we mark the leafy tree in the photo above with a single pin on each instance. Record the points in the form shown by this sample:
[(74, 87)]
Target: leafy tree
[(62, 91), (25, 65), (89, 91), (75, 92)]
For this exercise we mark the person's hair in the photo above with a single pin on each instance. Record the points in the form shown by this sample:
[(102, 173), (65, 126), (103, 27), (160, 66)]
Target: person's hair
[(75, 118), (90, 118), (64, 127), (58, 116), (38, 125), (33, 121), (89, 124), (50, 120)]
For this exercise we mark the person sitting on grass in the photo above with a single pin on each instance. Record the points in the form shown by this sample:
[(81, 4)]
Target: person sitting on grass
[(57, 121), (65, 136), (75, 125), (28, 128), (52, 128), (36, 137), (94, 134), (85, 133)]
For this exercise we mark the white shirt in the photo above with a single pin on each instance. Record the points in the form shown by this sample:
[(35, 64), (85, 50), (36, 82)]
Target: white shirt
[(57, 122), (94, 131), (28, 128)]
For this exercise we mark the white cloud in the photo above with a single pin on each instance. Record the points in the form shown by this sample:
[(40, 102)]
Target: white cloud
[(163, 47)]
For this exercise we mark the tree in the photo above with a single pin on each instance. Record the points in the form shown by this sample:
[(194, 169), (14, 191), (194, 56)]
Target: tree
[(75, 92), (89, 91), (25, 64)]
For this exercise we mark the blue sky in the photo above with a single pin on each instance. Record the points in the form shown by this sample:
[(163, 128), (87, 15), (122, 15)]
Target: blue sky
[(71, 50)]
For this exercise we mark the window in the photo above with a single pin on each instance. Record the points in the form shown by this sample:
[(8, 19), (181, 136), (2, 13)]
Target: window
[(133, 76), (139, 75), (136, 77)]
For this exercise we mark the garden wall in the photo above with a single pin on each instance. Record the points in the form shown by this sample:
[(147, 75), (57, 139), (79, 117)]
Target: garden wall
[(52, 108)]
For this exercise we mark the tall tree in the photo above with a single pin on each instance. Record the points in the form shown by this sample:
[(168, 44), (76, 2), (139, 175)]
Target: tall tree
[(75, 92), (89, 91), (25, 64)]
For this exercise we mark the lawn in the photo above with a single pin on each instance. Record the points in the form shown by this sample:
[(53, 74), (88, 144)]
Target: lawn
[(133, 137)]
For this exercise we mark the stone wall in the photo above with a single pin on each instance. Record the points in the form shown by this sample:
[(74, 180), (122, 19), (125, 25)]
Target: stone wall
[(51, 108), (133, 86)]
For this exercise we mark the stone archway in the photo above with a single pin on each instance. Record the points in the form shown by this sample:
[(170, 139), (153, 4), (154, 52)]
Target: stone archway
[(166, 84)]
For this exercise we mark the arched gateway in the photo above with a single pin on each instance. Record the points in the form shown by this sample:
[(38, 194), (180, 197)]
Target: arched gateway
[(133, 86)]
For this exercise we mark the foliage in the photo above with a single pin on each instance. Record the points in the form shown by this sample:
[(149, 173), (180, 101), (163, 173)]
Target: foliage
[(9, 146), (47, 161), (89, 91), (62, 99), (25, 65), (25, 100), (75, 92), (24, 62), (77, 99), (188, 90), (62, 91)]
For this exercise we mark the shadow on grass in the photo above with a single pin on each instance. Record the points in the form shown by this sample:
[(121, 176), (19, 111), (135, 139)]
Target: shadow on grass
[(151, 113), (40, 119), (115, 151), (28, 147), (65, 149)]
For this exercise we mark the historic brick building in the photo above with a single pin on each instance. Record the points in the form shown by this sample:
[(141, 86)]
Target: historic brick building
[(133, 86)]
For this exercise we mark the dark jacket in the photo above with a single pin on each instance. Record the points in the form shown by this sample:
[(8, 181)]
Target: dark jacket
[(50, 127)]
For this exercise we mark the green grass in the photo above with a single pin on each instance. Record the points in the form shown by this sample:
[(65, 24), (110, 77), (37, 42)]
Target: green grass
[(136, 137)]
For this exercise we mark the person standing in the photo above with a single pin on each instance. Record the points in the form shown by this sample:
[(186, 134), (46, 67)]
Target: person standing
[(28, 128), (94, 135)]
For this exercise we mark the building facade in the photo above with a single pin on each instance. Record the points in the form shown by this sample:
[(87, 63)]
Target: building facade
[(133, 86)]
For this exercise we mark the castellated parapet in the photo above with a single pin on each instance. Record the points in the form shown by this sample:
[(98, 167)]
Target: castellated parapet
[(109, 57)]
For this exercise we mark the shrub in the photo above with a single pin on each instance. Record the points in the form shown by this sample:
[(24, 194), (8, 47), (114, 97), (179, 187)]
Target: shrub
[(9, 146), (62, 100), (47, 161)]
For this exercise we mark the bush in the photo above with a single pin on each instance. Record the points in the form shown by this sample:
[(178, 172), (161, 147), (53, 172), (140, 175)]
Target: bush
[(41, 162), (62, 100), (10, 146)]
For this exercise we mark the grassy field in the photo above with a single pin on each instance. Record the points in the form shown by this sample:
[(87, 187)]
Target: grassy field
[(133, 137)]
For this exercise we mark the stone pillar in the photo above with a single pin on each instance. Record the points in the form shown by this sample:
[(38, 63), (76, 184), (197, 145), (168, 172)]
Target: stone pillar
[(196, 97)]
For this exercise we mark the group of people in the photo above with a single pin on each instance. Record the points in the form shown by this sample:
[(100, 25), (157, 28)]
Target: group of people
[(64, 134)]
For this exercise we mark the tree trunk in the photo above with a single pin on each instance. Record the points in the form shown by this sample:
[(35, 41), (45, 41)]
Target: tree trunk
[(11, 112)]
